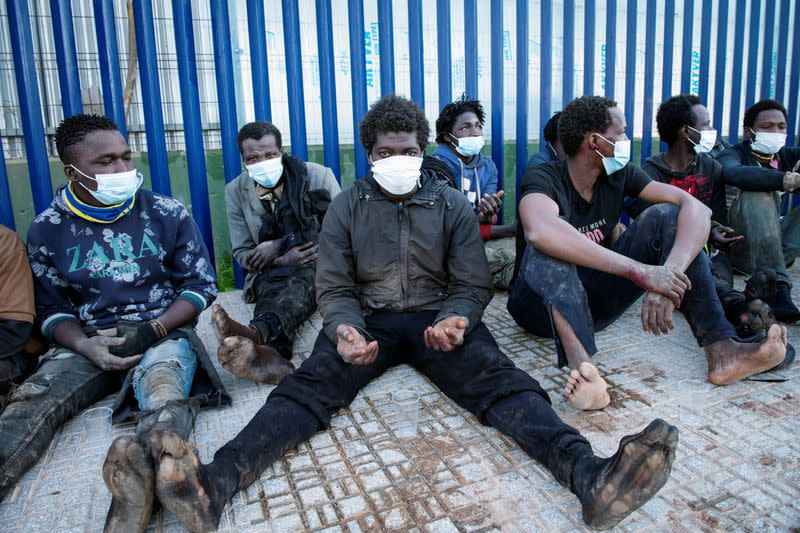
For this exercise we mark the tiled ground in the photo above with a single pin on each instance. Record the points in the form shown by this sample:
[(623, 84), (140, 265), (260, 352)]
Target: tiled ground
[(740, 471)]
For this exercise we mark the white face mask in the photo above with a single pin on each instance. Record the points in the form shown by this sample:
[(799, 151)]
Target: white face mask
[(468, 146), (708, 138), (768, 142), (622, 154), (397, 174), (266, 173), (114, 188)]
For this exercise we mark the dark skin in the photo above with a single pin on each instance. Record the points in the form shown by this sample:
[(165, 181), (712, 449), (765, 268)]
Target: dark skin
[(680, 156), (773, 120), (105, 152), (447, 334), (267, 253)]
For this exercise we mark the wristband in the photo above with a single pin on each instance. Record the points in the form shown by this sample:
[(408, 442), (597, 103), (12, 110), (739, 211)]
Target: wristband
[(162, 331)]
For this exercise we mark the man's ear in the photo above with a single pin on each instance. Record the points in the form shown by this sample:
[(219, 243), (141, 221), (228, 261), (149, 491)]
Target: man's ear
[(70, 173)]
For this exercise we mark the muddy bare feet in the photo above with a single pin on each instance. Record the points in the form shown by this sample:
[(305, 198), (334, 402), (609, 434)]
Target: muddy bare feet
[(224, 326), (257, 362), (630, 477), (586, 389), (182, 486), (730, 361), (128, 474)]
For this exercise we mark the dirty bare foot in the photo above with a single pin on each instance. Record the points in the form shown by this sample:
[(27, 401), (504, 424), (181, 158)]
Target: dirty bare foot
[(183, 486), (730, 361), (224, 326), (128, 474), (257, 362), (586, 389), (630, 477)]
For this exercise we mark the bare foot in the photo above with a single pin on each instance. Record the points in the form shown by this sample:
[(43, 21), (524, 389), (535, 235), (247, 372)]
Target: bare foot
[(128, 474), (182, 485), (225, 326), (630, 477), (586, 389), (257, 362), (730, 361)]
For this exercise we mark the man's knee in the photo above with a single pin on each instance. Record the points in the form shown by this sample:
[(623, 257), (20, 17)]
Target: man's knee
[(165, 373), (659, 213)]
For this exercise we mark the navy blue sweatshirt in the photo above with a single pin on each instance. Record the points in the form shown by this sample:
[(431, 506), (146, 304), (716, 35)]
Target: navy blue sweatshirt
[(131, 269)]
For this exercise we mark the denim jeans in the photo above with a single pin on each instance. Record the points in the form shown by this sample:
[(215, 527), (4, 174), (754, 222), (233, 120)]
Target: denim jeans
[(591, 300), (165, 373), (769, 240), (476, 375)]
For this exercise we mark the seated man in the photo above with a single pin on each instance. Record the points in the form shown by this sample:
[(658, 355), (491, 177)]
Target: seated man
[(120, 275), (684, 124), (18, 350), (459, 132), (761, 166), (275, 209), (554, 150), (568, 283), (401, 279)]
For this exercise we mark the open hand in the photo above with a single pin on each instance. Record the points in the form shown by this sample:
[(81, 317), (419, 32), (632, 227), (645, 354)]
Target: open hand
[(353, 347), (303, 254), (96, 350), (724, 237), (489, 206), (657, 313), (447, 334)]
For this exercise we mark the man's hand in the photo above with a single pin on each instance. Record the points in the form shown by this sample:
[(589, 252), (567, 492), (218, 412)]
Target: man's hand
[(664, 280), (298, 256), (723, 237), (95, 349), (489, 207), (446, 335), (791, 181), (657, 314), (353, 347), (263, 255), (139, 336)]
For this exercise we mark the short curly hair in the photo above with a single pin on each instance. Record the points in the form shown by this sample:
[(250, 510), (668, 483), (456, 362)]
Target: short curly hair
[(74, 129), (762, 105), (450, 112), (258, 130), (551, 128), (674, 114), (581, 116), (393, 113)]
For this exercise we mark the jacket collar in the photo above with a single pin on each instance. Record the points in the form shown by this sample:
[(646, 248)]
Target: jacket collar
[(428, 194)]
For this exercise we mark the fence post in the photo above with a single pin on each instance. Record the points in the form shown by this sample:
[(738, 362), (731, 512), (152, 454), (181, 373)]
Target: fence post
[(415, 52), (6, 208), (630, 66), (327, 82), (783, 52), (471, 48), (649, 81), (522, 96), (669, 44), (720, 82), (687, 46), (108, 55), (794, 82), (546, 60), (358, 81), (752, 54), (705, 50), (737, 81), (443, 46), (588, 48), (766, 58), (386, 45), (496, 24), (568, 45), (257, 34), (69, 80), (611, 48), (294, 78)]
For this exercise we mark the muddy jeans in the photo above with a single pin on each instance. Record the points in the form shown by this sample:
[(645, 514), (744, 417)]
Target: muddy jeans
[(476, 375), (65, 383), (769, 240), (591, 300)]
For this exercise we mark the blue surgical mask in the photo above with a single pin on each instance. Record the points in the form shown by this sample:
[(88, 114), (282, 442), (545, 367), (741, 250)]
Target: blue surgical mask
[(113, 188), (622, 154), (469, 146), (266, 173)]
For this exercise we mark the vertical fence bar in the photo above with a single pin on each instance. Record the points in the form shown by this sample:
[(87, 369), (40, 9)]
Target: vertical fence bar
[(443, 45), (794, 82), (568, 73), (783, 52), (611, 48), (192, 122), (588, 47), (630, 65), (69, 80), (30, 106), (257, 34), (358, 68), (496, 24), (226, 101), (327, 82), (108, 55), (766, 58), (294, 78), (649, 80), (522, 95), (686, 46), (669, 45), (720, 81), (386, 45), (545, 83), (471, 48), (705, 49), (737, 81), (151, 96), (416, 59), (752, 54), (6, 208)]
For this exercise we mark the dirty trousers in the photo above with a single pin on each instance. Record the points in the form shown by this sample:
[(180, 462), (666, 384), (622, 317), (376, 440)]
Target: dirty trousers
[(591, 300), (476, 375)]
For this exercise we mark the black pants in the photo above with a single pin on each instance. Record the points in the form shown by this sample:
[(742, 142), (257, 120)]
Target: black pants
[(15, 366), (477, 376), (591, 300)]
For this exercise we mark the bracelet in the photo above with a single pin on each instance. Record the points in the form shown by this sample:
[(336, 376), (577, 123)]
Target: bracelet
[(162, 331)]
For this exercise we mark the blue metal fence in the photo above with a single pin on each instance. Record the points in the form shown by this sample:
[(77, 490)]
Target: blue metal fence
[(772, 69)]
